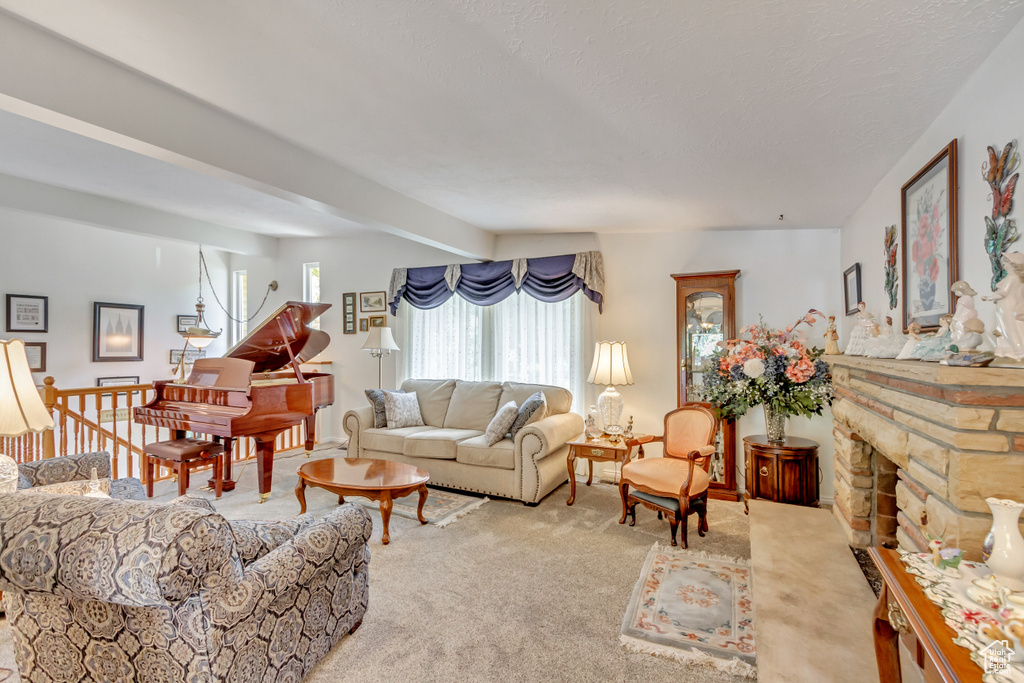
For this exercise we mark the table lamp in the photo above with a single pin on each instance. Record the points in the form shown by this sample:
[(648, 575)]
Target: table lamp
[(611, 367), (21, 407), (380, 343)]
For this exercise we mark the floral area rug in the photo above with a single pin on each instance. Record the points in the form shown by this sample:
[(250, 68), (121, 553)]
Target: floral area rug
[(695, 608), (441, 509)]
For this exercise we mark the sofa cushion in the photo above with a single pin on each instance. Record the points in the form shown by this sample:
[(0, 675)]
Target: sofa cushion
[(473, 405), (559, 400), (380, 415), (403, 409), (533, 410), (434, 396), (437, 443), (475, 451), (389, 440), (502, 422)]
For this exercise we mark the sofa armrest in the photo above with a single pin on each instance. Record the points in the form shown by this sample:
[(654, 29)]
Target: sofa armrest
[(255, 538), (66, 468), (540, 439), (354, 422)]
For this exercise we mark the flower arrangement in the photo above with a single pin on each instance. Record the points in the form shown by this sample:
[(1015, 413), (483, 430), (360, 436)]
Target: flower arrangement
[(768, 367)]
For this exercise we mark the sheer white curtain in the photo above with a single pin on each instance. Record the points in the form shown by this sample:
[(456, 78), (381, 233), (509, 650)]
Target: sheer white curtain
[(520, 339)]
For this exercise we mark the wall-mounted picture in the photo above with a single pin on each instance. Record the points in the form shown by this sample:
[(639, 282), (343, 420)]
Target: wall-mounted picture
[(36, 354), (27, 313), (929, 205), (117, 381), (851, 288), (117, 332), (348, 312), (187, 321), (364, 325), (190, 356), (378, 321), (373, 302)]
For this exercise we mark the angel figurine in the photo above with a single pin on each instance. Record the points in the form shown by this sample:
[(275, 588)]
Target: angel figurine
[(887, 344), (865, 329), (934, 347), (964, 312), (1009, 300), (832, 338), (913, 338)]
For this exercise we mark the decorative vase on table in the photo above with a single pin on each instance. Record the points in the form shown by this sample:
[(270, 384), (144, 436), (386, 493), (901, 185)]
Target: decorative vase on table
[(775, 423), (1003, 549)]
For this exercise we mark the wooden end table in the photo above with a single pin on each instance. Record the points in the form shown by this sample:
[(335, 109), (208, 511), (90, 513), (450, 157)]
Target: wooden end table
[(381, 480), (784, 472), (600, 450)]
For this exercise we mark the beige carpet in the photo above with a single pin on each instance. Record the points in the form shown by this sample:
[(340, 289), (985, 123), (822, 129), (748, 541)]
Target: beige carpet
[(507, 593)]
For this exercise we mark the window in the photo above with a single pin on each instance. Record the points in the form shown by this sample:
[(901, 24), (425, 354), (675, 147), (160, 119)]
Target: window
[(239, 306), (311, 286), (519, 339)]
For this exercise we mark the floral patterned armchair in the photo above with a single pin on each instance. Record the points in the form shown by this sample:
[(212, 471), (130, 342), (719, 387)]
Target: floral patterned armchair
[(75, 468), (103, 589)]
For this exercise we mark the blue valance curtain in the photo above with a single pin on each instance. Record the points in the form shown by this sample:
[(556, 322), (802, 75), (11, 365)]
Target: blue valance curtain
[(552, 278)]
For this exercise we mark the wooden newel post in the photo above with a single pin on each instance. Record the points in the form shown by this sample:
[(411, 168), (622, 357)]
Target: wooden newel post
[(50, 400)]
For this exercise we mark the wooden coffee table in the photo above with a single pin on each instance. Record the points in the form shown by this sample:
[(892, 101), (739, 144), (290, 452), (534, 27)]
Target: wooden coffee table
[(381, 480)]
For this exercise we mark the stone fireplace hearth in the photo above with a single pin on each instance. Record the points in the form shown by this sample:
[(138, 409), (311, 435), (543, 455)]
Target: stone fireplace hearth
[(918, 448)]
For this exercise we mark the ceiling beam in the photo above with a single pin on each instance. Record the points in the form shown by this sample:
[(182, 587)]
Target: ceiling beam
[(102, 212), (55, 81)]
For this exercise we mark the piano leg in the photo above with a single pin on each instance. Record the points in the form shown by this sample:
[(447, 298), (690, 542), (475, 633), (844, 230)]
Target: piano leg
[(310, 432), (228, 484), (265, 466)]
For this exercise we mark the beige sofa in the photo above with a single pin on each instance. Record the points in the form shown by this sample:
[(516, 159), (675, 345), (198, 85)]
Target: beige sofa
[(450, 445)]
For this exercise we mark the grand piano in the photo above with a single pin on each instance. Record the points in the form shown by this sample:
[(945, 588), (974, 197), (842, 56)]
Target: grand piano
[(256, 390)]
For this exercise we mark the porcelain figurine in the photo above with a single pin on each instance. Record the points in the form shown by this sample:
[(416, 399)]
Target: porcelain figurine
[(865, 329), (832, 338), (887, 344), (1009, 300), (966, 353), (965, 311), (1004, 545), (935, 346), (907, 352)]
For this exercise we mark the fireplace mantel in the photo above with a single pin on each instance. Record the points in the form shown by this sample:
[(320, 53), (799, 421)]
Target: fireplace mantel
[(919, 446)]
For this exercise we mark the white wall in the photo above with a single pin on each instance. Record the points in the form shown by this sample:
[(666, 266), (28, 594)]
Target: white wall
[(75, 265), (985, 112)]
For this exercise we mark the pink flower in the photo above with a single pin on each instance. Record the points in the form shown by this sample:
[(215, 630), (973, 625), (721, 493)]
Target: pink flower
[(933, 270), (800, 370)]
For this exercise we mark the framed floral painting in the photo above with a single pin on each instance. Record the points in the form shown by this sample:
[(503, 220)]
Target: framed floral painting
[(929, 205)]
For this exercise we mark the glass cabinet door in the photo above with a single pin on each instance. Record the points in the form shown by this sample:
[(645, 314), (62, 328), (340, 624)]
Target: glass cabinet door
[(700, 336)]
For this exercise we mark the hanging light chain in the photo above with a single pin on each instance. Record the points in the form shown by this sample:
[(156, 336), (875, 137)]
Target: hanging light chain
[(204, 269)]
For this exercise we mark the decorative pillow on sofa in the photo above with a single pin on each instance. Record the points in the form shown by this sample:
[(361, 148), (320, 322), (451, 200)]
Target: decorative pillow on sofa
[(501, 423), (402, 409), (376, 399), (533, 409)]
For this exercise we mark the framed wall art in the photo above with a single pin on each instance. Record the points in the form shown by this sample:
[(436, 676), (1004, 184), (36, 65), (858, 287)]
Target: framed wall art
[(190, 356), (378, 321), (929, 206), (373, 302), (348, 312), (117, 381), (364, 325), (27, 313), (117, 332), (36, 354), (851, 288), (186, 321)]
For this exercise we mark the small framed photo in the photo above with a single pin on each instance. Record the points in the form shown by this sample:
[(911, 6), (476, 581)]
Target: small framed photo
[(27, 313), (187, 321), (364, 325), (117, 332), (348, 311), (373, 302), (378, 321), (851, 288), (36, 354), (117, 381)]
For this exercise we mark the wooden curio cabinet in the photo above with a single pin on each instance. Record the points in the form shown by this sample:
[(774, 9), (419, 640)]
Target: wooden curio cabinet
[(706, 315)]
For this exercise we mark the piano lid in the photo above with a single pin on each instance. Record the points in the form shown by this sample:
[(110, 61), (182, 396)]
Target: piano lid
[(267, 347)]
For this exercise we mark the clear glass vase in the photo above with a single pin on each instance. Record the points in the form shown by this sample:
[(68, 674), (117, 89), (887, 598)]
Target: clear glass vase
[(775, 423)]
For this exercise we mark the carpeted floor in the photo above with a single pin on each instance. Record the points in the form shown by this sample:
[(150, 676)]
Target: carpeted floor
[(506, 593)]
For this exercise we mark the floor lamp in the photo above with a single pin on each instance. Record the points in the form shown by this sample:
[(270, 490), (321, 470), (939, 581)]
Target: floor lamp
[(380, 343), (21, 407)]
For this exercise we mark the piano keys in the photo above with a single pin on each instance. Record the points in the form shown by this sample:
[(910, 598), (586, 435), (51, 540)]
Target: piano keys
[(257, 390)]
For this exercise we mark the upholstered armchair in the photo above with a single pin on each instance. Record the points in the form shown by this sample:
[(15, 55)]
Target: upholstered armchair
[(675, 485), (117, 590), (75, 468)]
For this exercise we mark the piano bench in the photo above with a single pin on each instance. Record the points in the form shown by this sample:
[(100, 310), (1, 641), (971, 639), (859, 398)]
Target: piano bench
[(182, 456)]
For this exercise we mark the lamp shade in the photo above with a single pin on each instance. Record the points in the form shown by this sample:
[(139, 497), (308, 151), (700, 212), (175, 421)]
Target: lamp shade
[(611, 366), (21, 407), (380, 339)]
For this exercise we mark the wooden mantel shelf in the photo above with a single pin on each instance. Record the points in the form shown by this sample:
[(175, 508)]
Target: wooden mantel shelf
[(932, 373)]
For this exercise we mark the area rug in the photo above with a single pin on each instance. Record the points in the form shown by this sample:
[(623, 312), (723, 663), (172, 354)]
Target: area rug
[(441, 509), (695, 608)]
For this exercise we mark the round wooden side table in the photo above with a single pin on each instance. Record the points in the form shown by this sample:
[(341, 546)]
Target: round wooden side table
[(784, 472)]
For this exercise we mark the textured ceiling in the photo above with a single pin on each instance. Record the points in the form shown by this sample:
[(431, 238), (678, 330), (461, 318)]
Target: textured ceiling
[(559, 115)]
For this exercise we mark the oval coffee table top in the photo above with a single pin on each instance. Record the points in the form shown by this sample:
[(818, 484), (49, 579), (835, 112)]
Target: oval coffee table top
[(362, 473)]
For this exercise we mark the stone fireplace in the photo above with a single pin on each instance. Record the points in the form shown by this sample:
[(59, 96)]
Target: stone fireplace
[(918, 448)]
